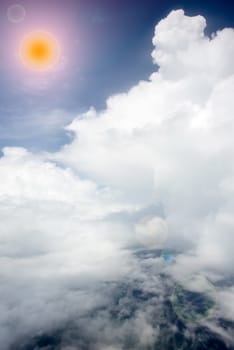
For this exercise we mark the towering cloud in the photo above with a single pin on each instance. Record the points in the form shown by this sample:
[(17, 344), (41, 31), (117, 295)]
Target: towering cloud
[(169, 140)]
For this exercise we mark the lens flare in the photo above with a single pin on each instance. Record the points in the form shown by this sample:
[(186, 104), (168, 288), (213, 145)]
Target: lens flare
[(194, 299), (16, 13), (40, 51)]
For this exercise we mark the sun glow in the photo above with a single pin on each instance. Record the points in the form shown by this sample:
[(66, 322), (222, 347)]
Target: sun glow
[(40, 51)]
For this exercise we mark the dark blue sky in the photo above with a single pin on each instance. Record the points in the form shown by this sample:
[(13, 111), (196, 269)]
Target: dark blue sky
[(113, 54)]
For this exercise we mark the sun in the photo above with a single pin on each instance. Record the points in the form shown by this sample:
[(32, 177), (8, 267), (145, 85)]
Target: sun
[(39, 51)]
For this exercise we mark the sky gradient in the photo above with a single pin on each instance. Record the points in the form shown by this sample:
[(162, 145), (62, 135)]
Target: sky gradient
[(107, 44)]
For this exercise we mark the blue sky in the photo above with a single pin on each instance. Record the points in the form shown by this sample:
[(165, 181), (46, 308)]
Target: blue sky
[(111, 52)]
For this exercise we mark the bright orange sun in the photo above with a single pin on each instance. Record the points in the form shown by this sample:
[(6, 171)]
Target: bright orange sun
[(40, 51)]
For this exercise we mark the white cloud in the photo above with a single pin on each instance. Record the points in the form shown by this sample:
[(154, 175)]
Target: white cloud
[(169, 139)]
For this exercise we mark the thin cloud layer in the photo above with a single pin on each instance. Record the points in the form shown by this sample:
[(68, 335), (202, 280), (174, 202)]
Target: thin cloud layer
[(152, 170)]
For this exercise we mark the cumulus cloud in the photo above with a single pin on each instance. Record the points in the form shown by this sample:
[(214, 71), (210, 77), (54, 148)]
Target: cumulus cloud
[(169, 140), (72, 221)]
